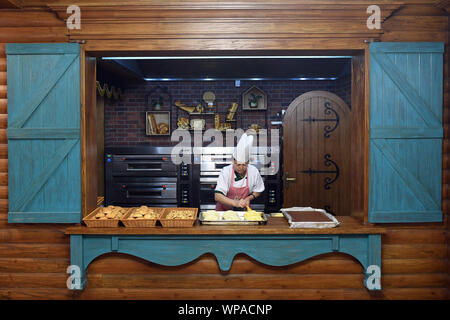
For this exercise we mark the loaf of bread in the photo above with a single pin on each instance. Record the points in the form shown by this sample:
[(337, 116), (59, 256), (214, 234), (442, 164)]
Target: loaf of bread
[(184, 107), (110, 212), (144, 212), (163, 128), (216, 121), (183, 123), (152, 123)]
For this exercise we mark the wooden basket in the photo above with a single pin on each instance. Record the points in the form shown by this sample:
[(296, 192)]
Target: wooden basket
[(178, 223), (90, 221), (140, 223)]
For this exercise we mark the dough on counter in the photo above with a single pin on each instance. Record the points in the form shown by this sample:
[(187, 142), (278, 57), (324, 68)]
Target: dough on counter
[(211, 215), (230, 215), (252, 215)]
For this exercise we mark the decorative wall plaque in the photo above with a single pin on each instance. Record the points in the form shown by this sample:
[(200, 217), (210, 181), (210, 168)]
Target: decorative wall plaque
[(254, 99)]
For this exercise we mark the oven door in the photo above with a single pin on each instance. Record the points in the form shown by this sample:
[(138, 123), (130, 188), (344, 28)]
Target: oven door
[(206, 194), (143, 165), (211, 165), (161, 192)]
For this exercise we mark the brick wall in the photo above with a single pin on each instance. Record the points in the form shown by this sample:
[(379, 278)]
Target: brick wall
[(125, 119)]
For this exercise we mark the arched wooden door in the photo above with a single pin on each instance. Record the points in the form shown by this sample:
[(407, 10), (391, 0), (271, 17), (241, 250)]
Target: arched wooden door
[(316, 144)]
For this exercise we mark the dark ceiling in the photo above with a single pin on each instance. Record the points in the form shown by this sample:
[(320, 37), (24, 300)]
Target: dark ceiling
[(232, 69), (243, 68)]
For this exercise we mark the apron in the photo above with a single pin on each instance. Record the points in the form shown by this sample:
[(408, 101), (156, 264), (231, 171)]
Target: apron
[(234, 193)]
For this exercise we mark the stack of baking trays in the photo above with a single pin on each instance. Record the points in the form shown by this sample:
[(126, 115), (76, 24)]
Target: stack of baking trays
[(308, 217), (141, 217), (250, 217)]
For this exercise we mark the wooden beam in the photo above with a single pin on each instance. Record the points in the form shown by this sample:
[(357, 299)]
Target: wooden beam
[(11, 4), (88, 136), (307, 43)]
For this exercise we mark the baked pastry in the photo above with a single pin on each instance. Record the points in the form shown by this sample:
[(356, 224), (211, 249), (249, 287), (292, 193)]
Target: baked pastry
[(183, 123), (180, 214), (144, 212), (255, 127), (184, 107), (232, 111), (163, 128), (217, 121), (110, 212), (152, 123)]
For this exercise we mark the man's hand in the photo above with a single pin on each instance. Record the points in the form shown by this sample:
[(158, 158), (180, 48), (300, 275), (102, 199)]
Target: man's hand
[(243, 203), (237, 204)]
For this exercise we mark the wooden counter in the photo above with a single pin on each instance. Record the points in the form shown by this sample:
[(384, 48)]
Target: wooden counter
[(275, 225), (273, 244)]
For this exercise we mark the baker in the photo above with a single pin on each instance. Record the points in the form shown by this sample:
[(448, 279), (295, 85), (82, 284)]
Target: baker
[(239, 183)]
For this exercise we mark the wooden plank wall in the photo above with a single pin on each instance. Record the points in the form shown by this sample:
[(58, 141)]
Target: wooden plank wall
[(34, 258), (446, 146)]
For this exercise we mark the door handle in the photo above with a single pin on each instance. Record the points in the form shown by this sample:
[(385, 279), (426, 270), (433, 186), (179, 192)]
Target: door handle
[(289, 179)]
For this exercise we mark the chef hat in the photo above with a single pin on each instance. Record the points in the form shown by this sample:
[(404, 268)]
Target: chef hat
[(242, 151)]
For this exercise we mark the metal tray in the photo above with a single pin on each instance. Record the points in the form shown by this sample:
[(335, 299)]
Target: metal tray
[(231, 222), (319, 224)]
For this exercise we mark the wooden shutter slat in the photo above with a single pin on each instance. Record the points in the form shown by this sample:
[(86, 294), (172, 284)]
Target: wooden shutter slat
[(393, 216), (47, 133), (63, 64), (45, 217), (40, 48), (38, 182), (407, 47), (419, 105), (406, 133), (414, 185)]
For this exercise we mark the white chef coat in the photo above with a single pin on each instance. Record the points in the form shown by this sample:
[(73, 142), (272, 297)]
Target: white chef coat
[(255, 182)]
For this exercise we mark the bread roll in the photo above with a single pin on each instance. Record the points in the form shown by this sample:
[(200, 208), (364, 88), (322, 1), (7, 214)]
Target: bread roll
[(152, 122)]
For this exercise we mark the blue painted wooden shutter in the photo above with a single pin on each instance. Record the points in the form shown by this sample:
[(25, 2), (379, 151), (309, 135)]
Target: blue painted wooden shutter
[(44, 160), (405, 164)]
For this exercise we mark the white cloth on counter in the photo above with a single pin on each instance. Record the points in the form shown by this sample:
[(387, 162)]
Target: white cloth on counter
[(255, 182)]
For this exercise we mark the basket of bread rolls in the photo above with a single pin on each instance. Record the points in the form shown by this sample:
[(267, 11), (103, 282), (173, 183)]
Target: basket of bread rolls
[(142, 217), (178, 217), (105, 217)]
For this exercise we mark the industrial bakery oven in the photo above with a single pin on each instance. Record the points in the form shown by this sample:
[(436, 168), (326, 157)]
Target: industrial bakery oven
[(146, 176), (211, 160)]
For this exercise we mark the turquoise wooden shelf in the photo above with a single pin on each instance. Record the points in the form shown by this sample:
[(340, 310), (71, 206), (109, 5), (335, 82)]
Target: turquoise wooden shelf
[(271, 245)]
